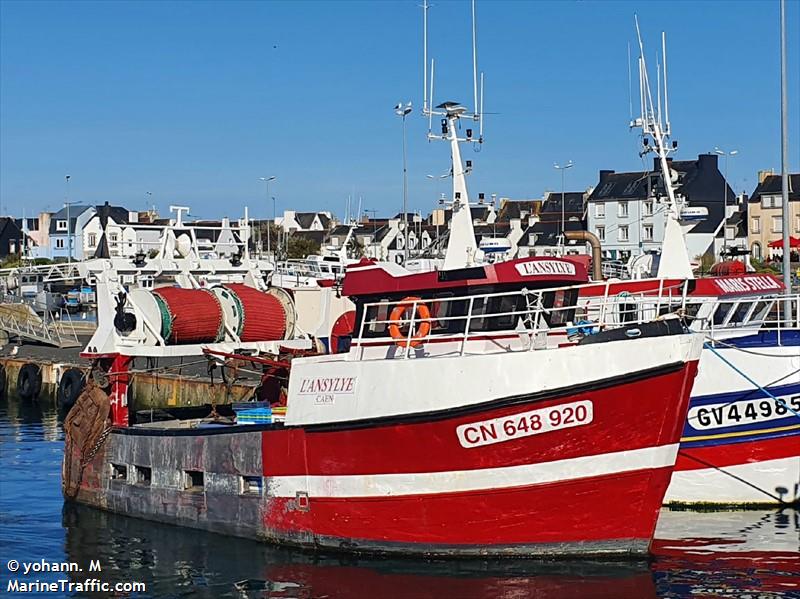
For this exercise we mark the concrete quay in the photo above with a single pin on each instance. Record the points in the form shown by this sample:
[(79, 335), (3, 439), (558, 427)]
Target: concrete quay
[(162, 384)]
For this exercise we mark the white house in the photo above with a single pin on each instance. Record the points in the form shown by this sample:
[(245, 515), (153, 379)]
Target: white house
[(292, 221)]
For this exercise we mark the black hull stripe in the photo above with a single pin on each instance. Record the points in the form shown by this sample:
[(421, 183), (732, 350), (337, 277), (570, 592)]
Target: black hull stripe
[(430, 416)]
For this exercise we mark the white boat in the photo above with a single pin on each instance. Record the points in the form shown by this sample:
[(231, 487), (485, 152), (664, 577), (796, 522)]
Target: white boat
[(741, 442)]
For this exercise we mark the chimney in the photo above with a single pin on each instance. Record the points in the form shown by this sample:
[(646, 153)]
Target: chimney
[(708, 161), (764, 174), (657, 163), (604, 175)]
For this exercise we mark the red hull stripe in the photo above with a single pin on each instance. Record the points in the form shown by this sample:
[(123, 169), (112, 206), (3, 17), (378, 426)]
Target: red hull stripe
[(636, 415), (428, 483), (731, 454), (597, 509)]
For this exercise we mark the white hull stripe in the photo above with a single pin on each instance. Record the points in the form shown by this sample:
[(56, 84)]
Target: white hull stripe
[(431, 483)]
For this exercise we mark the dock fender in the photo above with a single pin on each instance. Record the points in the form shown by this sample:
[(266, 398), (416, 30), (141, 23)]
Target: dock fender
[(69, 388), (3, 381), (29, 381)]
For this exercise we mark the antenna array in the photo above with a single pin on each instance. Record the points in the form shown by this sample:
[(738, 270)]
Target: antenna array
[(447, 109)]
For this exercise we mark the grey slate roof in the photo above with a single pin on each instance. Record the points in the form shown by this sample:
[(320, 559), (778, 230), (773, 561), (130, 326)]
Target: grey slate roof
[(699, 181), (74, 212), (573, 205), (305, 219), (772, 185), (513, 209), (116, 213)]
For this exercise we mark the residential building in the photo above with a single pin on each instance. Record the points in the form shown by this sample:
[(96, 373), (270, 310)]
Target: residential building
[(545, 235), (66, 229), (731, 239), (765, 216), (37, 229), (121, 238), (524, 210), (292, 221), (11, 237), (627, 210)]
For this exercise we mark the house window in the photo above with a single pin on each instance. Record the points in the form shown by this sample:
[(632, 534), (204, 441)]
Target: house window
[(797, 223), (777, 224), (622, 234), (600, 210), (61, 225), (755, 224), (770, 201), (647, 233), (648, 208), (113, 237), (92, 239), (622, 209), (730, 233), (756, 251), (60, 244), (601, 233)]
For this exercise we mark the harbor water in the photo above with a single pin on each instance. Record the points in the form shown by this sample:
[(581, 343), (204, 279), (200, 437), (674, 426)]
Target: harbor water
[(735, 554)]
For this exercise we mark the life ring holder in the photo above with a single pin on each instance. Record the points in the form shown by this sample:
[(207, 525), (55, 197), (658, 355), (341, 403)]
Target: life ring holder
[(423, 314)]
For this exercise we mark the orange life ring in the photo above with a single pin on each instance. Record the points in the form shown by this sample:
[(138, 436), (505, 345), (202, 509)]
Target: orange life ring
[(398, 315)]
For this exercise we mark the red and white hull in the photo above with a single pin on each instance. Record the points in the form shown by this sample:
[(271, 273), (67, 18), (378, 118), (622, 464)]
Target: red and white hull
[(575, 470)]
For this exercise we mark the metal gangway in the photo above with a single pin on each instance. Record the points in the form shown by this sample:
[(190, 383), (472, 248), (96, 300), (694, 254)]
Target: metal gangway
[(19, 320)]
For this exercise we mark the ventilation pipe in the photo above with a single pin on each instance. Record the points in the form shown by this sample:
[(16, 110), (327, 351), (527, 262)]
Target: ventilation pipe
[(597, 255)]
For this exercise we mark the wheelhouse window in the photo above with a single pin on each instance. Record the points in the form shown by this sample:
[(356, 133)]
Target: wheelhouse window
[(760, 312), (721, 313), (739, 314)]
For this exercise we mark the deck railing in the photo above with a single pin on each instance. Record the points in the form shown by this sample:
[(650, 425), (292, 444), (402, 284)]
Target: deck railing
[(530, 314)]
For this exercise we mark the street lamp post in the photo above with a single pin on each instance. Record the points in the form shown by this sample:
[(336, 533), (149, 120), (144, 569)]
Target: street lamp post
[(277, 241), (721, 152), (563, 169), (69, 232), (267, 180), (402, 110)]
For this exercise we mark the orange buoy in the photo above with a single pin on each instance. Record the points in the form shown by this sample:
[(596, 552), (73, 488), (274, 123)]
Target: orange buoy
[(398, 316)]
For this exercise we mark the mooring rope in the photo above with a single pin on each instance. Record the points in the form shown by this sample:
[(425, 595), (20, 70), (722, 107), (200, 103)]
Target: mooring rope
[(778, 400), (748, 351)]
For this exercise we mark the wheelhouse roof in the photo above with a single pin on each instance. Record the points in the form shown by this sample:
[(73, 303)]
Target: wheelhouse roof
[(722, 286), (369, 278)]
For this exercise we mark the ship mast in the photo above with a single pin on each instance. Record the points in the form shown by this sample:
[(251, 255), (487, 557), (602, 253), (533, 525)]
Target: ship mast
[(462, 250), (655, 126)]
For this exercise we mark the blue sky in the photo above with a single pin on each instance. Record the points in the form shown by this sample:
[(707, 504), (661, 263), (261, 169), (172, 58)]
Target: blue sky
[(194, 101)]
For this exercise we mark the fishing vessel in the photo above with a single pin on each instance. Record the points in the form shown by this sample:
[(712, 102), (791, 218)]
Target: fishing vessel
[(473, 413), (741, 442), (467, 396)]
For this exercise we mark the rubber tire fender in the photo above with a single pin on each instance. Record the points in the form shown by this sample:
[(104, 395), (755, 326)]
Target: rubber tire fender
[(29, 381), (69, 388)]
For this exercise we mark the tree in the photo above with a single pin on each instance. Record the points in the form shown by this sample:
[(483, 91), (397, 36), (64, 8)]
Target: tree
[(300, 247)]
